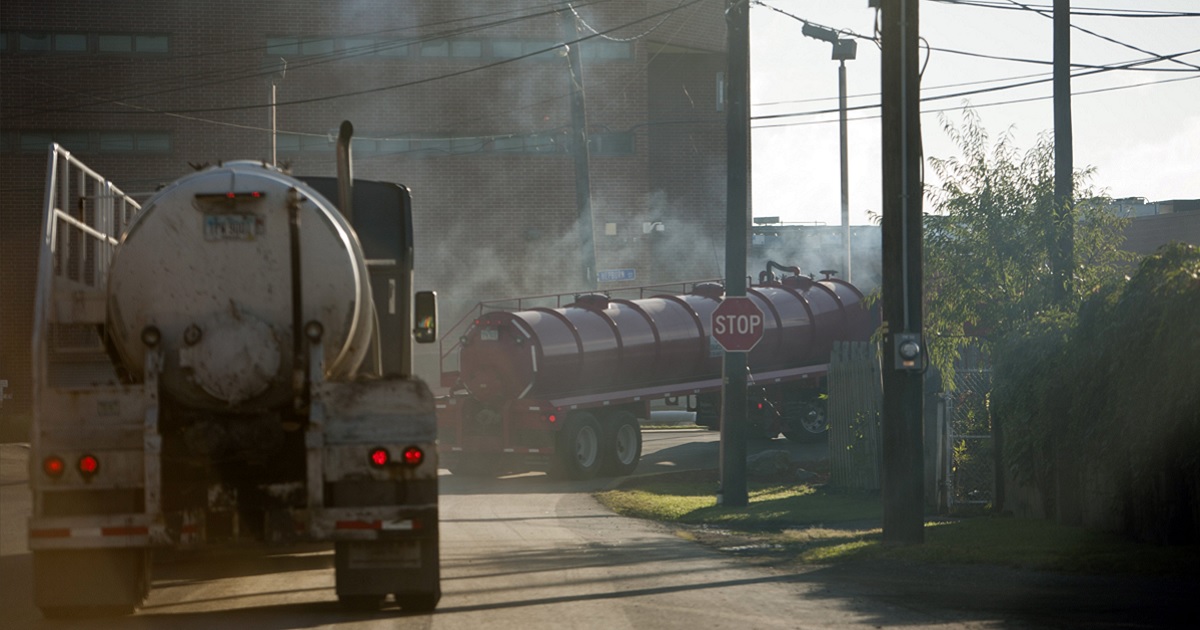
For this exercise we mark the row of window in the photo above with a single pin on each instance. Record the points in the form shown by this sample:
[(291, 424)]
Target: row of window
[(141, 43), (602, 144), (466, 48), (88, 141), (618, 143), (347, 47)]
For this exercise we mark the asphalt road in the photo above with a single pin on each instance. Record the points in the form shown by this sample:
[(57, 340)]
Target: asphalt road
[(521, 552), (518, 552)]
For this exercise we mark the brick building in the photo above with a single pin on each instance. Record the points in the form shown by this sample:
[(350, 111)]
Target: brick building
[(467, 103)]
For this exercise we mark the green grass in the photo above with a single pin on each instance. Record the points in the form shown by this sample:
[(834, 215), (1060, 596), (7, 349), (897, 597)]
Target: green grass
[(803, 524)]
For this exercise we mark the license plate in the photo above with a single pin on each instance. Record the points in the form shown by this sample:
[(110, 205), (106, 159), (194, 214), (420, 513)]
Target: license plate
[(232, 227), (489, 334)]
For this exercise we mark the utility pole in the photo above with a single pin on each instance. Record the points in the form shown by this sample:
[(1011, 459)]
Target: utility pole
[(904, 351), (733, 491), (579, 148), (276, 79), (845, 164), (1063, 247), (843, 49)]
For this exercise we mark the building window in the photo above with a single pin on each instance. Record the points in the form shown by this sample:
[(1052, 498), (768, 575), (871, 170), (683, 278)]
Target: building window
[(611, 143), (348, 47), (466, 48), (132, 43), (605, 51), (511, 48), (35, 42), (71, 42), (437, 48), (78, 141)]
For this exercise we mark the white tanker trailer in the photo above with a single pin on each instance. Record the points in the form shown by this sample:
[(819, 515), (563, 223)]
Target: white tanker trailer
[(229, 363), (211, 271)]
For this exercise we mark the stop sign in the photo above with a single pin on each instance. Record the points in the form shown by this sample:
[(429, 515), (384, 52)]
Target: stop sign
[(737, 324)]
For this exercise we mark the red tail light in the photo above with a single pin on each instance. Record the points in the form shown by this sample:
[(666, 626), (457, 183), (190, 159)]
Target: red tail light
[(551, 418), (380, 457), (413, 456), (88, 466), (53, 466)]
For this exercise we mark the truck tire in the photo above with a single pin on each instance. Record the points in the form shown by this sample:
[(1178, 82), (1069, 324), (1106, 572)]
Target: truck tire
[(579, 444), (417, 602), (805, 420), (360, 603), (621, 448)]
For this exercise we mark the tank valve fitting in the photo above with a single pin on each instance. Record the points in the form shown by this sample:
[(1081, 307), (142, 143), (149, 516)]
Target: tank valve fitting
[(151, 336)]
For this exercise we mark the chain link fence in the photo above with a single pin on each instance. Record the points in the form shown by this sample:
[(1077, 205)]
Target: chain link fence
[(969, 458)]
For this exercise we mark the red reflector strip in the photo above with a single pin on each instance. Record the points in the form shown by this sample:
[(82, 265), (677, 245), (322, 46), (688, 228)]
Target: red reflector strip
[(66, 532), (358, 525), (124, 531)]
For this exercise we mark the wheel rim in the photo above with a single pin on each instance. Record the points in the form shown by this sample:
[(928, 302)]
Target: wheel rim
[(587, 446), (813, 421), (626, 444)]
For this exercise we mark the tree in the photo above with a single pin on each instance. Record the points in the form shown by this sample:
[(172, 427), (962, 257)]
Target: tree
[(990, 236)]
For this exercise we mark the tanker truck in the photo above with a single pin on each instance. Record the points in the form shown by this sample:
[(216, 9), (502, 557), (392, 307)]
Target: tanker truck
[(561, 387), (228, 364)]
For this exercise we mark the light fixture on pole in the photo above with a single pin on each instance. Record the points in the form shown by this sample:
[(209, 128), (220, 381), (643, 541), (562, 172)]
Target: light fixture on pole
[(843, 49), (276, 79)]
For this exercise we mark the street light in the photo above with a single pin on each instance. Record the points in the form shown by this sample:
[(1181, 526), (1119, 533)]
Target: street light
[(276, 79), (843, 49)]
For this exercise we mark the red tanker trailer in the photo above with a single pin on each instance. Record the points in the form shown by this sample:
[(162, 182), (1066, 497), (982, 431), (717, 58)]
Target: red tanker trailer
[(562, 388)]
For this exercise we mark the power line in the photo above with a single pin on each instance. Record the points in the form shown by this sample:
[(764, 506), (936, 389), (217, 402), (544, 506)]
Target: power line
[(408, 83), (1098, 35), (946, 109), (1082, 11), (850, 33), (256, 70)]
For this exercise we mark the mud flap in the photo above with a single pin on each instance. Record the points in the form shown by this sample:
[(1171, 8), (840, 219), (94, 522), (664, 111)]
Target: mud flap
[(405, 567), (90, 582)]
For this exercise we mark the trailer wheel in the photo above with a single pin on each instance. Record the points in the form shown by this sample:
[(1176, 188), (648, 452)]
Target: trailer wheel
[(360, 603), (579, 442), (622, 445), (805, 420), (417, 602)]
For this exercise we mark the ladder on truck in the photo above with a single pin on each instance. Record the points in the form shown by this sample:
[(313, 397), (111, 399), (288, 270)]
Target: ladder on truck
[(84, 410), (84, 215)]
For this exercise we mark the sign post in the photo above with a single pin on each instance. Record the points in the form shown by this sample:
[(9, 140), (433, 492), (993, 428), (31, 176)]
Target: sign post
[(733, 492)]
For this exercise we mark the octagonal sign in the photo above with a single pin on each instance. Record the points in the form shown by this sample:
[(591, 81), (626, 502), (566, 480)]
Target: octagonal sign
[(737, 324)]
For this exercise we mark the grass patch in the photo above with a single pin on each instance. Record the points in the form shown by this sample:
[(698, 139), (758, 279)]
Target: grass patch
[(813, 524)]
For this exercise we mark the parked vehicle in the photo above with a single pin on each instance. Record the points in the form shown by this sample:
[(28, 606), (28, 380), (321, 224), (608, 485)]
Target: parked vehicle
[(229, 363), (562, 388)]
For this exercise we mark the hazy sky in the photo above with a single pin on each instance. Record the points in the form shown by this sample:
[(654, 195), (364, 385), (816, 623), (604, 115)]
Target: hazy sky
[(1144, 141)]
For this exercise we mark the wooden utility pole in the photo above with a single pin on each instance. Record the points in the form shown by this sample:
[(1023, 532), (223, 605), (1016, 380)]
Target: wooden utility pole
[(1062, 251), (579, 148), (904, 351), (733, 492)]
